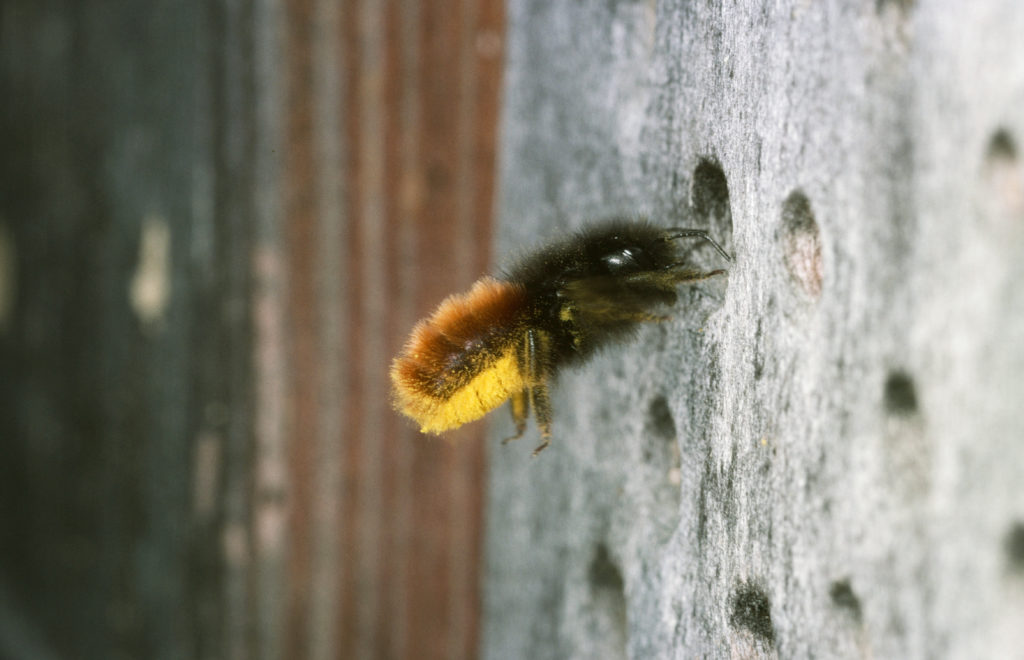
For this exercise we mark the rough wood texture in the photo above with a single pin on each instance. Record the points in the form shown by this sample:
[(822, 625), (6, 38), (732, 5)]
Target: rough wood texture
[(822, 455)]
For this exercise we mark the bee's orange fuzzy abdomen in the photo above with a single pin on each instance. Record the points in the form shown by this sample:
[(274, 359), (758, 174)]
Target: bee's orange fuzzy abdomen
[(457, 364)]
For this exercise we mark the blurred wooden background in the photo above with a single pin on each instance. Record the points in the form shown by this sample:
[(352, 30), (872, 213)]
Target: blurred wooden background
[(217, 223)]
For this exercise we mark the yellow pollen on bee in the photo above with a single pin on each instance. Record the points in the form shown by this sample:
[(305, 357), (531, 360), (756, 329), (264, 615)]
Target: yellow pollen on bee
[(485, 392)]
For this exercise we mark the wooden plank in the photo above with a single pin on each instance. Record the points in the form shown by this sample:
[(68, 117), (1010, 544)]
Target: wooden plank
[(218, 223), (820, 454)]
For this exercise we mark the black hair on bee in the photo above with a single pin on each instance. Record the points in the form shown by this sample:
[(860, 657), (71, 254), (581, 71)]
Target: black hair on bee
[(509, 336)]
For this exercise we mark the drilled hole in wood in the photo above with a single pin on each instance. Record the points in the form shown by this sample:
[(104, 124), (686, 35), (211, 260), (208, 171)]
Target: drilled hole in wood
[(752, 611), (709, 201), (609, 602), (1014, 546), (903, 6), (661, 455), (660, 419), (1002, 146), (1004, 174), (710, 193), (900, 394), (845, 599), (802, 244), (604, 574)]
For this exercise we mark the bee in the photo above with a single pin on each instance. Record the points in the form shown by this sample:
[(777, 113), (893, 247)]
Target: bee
[(508, 336)]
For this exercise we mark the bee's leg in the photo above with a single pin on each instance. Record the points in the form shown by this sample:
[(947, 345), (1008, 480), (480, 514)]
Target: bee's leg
[(542, 410), (679, 273), (671, 275), (660, 286), (520, 413), (668, 278), (520, 404), (641, 317), (652, 318), (538, 349)]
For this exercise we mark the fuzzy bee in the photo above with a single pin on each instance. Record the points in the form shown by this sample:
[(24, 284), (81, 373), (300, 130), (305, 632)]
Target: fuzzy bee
[(509, 336)]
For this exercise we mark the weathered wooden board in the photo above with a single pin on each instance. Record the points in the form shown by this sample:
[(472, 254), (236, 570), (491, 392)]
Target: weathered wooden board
[(823, 454)]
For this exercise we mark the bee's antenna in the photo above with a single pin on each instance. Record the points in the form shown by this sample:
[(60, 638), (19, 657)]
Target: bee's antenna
[(678, 232)]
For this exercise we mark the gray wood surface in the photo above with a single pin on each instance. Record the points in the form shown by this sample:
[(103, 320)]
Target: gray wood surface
[(823, 454)]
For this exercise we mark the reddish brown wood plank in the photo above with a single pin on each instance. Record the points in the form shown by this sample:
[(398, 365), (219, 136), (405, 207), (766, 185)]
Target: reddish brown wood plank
[(417, 84)]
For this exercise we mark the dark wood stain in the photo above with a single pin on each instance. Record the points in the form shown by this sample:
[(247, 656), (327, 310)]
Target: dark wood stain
[(300, 249)]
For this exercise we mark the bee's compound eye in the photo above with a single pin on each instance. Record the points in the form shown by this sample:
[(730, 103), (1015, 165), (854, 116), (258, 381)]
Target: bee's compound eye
[(616, 261)]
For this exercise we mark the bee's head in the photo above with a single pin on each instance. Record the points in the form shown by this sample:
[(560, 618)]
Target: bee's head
[(635, 249), (626, 259)]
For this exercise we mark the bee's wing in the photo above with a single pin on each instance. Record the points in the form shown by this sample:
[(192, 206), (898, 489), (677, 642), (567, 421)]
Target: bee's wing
[(612, 298)]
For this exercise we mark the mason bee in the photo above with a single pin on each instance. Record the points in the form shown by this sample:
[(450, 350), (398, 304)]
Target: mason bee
[(508, 336)]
